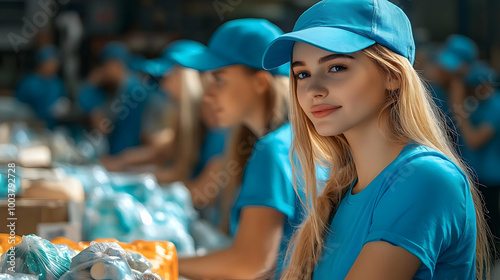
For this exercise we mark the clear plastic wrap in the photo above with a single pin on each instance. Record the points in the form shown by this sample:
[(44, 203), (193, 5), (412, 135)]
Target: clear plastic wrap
[(138, 262), (141, 211), (140, 186), (20, 276), (35, 255), (109, 261), (118, 216)]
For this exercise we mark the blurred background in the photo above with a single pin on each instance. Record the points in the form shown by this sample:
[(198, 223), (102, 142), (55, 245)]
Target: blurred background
[(84, 26), (80, 82)]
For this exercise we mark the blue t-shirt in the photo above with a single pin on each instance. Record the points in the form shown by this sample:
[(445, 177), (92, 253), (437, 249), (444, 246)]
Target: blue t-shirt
[(41, 93), (420, 202), (124, 109), (267, 181), (213, 145), (486, 159)]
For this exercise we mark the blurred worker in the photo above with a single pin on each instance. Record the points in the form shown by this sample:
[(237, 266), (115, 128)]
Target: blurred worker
[(115, 99), (476, 107), (44, 90)]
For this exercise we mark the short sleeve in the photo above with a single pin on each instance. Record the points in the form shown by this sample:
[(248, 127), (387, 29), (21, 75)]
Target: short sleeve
[(424, 209), (267, 180)]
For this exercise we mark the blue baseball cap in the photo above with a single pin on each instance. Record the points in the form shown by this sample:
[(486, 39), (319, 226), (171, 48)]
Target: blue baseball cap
[(47, 53), (115, 51), (346, 26), (481, 73), (457, 51), (160, 66), (240, 41)]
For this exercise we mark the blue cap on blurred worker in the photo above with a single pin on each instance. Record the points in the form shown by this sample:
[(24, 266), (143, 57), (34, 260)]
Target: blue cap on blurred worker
[(115, 51), (160, 66), (346, 26), (458, 51), (47, 53), (481, 73), (241, 41)]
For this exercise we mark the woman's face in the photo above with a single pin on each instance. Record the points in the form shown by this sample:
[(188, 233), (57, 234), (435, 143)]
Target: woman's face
[(231, 92), (337, 92), (172, 83)]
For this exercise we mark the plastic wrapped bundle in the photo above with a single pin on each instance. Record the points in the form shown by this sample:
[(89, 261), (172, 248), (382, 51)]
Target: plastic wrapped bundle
[(140, 186), (118, 216), (100, 261), (109, 261), (90, 176), (20, 276), (178, 193), (138, 262), (35, 255), (146, 276)]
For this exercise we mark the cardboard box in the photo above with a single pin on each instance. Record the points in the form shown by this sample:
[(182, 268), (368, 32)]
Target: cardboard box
[(45, 218)]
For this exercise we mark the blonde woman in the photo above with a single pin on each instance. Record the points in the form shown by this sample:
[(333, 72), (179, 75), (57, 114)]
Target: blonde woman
[(190, 145), (259, 206), (399, 203)]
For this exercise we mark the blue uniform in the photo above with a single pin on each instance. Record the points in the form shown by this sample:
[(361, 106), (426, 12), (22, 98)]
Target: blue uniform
[(486, 160), (125, 110), (41, 93), (267, 181), (420, 202), (212, 146)]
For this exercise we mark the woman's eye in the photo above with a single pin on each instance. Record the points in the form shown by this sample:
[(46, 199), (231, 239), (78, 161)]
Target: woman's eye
[(218, 80), (301, 75), (337, 68)]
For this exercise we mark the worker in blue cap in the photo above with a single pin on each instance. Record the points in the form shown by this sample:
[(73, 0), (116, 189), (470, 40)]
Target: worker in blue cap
[(44, 90), (453, 60), (190, 146), (478, 123), (258, 207), (398, 203), (115, 99)]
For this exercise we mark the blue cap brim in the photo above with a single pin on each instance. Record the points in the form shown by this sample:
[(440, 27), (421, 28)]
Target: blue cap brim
[(203, 60), (449, 61), (328, 38), (157, 67)]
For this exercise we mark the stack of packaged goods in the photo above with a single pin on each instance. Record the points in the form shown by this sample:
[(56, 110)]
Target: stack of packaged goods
[(100, 259)]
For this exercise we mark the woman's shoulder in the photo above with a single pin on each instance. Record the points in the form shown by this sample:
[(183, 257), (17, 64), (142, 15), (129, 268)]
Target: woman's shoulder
[(425, 170), (276, 141)]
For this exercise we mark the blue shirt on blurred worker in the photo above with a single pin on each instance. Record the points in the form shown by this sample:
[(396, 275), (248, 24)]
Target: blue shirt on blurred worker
[(43, 90), (123, 104)]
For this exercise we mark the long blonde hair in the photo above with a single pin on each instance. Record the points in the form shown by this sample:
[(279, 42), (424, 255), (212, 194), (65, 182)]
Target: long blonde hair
[(187, 123), (243, 139), (409, 114)]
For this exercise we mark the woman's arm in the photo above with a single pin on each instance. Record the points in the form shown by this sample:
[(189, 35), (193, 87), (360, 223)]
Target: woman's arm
[(205, 187), (157, 153), (474, 137), (380, 260), (253, 252)]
